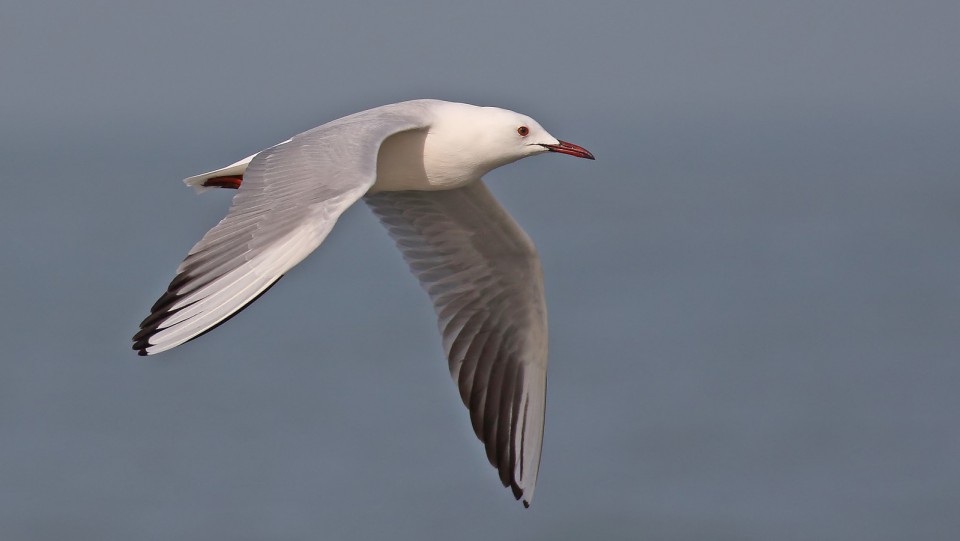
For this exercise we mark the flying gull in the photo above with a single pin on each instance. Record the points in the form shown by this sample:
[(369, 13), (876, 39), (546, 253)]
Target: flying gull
[(418, 165)]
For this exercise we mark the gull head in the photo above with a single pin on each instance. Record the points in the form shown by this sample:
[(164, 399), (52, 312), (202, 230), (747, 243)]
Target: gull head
[(501, 135), (462, 143), (484, 138)]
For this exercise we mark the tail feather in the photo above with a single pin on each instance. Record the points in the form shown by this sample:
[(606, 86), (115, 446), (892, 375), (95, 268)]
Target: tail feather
[(226, 177)]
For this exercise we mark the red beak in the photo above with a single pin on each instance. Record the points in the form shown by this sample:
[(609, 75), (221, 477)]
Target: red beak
[(569, 148)]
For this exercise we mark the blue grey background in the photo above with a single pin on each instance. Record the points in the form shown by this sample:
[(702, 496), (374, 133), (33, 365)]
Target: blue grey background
[(754, 289)]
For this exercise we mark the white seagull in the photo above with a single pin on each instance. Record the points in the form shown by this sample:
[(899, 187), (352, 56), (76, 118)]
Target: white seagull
[(418, 165)]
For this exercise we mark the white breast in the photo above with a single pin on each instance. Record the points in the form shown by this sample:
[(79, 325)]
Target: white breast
[(426, 160)]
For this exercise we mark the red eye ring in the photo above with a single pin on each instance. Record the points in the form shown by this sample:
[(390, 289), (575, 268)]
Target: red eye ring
[(523, 131)]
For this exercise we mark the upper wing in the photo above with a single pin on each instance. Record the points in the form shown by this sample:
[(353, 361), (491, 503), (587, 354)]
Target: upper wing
[(290, 199), (483, 275)]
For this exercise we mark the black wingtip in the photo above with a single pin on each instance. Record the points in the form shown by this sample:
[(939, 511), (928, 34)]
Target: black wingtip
[(140, 345), (526, 504), (161, 311), (158, 312)]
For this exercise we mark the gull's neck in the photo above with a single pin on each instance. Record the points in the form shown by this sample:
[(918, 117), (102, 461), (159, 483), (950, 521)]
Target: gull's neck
[(455, 150)]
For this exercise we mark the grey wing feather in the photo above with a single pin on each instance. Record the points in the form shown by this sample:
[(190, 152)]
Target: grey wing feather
[(484, 277), (291, 197)]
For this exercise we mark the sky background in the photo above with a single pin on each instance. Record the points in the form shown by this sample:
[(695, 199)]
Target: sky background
[(753, 292)]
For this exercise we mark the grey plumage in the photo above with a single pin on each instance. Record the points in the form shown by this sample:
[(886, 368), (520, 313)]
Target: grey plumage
[(291, 197), (483, 275)]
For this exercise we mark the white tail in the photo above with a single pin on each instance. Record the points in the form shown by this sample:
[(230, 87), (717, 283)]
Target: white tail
[(236, 168)]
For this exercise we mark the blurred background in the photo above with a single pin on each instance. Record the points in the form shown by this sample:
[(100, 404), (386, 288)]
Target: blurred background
[(753, 292)]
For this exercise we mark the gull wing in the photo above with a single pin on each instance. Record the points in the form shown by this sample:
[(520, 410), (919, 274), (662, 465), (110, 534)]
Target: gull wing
[(483, 275), (291, 197)]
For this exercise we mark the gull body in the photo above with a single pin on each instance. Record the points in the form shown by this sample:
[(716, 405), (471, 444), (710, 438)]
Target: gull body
[(418, 165)]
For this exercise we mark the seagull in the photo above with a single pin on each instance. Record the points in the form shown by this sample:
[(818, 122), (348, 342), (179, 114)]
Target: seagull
[(418, 165)]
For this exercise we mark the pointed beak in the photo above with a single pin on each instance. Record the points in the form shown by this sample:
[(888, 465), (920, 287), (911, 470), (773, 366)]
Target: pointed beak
[(564, 147)]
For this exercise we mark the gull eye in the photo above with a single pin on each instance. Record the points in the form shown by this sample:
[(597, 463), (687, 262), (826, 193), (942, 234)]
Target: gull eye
[(523, 131)]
